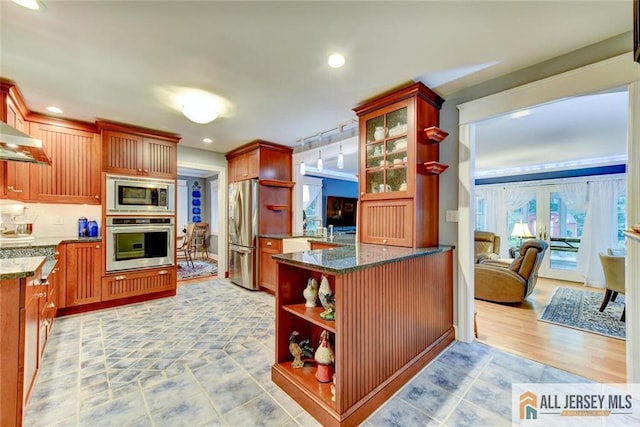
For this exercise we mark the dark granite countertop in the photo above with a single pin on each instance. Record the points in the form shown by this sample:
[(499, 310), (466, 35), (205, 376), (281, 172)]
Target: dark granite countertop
[(358, 256), (46, 241), (19, 268)]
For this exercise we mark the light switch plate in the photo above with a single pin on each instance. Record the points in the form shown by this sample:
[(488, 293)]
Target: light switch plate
[(452, 216)]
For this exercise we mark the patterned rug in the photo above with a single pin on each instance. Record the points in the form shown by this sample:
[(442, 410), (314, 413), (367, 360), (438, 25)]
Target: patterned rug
[(578, 309), (201, 268)]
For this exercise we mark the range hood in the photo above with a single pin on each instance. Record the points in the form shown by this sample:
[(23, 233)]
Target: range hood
[(19, 147)]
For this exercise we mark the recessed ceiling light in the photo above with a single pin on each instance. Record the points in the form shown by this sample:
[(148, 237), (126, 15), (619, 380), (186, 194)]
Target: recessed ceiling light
[(207, 140), (521, 113), (29, 4), (336, 60), (53, 109)]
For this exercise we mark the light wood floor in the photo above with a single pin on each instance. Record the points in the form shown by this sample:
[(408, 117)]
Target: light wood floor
[(516, 330)]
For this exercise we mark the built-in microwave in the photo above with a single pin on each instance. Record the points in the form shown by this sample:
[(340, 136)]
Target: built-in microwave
[(132, 195)]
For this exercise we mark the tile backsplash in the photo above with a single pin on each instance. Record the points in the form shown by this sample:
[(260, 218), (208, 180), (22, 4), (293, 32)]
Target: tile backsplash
[(53, 220)]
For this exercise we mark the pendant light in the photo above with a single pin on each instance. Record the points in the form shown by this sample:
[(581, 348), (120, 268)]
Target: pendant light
[(319, 160), (340, 158), (303, 169)]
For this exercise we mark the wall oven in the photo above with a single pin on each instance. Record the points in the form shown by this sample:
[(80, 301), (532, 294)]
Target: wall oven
[(132, 195), (134, 242)]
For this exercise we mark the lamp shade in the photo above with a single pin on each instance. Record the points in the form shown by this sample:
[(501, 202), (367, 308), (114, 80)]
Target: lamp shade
[(521, 230)]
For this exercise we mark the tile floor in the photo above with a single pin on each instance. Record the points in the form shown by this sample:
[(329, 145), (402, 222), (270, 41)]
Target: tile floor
[(203, 358)]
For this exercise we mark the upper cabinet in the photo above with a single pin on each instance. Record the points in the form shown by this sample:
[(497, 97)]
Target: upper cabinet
[(399, 167), (74, 150), (260, 159), (135, 151)]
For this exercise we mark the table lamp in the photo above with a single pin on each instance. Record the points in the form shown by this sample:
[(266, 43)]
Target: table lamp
[(521, 230)]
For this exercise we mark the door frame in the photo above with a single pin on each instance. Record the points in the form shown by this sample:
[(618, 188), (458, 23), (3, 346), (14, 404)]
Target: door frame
[(614, 72)]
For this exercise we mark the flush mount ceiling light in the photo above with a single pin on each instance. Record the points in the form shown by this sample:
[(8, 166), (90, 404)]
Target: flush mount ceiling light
[(199, 106), (336, 60), (55, 110), (29, 4), (207, 140)]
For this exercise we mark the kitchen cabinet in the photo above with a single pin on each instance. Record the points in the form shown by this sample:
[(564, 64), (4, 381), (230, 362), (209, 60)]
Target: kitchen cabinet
[(399, 167), (83, 273), (21, 301), (140, 152), (137, 283), (14, 176), (245, 166), (268, 267), (394, 314), (74, 174), (260, 159), (322, 245)]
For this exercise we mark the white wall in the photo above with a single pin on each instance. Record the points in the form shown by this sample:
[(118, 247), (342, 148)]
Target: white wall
[(55, 220)]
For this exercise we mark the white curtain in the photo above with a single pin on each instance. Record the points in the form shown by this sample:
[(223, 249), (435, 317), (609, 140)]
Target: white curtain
[(600, 228), (574, 194), (499, 201)]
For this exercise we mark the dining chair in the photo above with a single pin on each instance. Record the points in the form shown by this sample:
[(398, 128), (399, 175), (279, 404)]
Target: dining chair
[(613, 267), (186, 244)]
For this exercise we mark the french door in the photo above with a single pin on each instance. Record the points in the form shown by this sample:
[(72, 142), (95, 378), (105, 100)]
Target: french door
[(551, 219)]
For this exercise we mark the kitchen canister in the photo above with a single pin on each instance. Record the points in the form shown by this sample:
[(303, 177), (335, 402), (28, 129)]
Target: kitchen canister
[(82, 227), (92, 228)]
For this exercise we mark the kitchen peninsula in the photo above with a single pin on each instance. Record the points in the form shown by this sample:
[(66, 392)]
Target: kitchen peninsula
[(393, 311)]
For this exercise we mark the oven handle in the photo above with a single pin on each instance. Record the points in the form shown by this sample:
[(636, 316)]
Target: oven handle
[(139, 228)]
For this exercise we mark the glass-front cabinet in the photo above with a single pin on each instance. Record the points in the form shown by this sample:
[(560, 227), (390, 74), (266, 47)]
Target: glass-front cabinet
[(387, 156)]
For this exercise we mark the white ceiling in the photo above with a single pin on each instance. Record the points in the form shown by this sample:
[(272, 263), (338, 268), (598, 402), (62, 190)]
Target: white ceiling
[(126, 61)]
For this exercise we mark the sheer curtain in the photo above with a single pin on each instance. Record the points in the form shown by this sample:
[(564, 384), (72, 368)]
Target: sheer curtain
[(600, 228)]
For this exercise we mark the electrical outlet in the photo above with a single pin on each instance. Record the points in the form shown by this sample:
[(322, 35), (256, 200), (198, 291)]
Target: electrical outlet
[(452, 216), (59, 220)]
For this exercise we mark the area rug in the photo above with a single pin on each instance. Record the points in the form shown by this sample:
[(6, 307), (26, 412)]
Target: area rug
[(201, 268), (578, 309)]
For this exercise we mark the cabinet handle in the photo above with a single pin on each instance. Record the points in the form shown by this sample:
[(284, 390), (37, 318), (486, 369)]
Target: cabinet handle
[(46, 322), (139, 170), (97, 246), (96, 196), (362, 193), (162, 272), (384, 241), (15, 190), (146, 171), (56, 253), (120, 277), (51, 305), (41, 295), (268, 243)]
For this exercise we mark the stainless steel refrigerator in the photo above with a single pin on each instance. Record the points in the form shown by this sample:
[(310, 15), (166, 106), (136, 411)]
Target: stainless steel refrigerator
[(243, 233)]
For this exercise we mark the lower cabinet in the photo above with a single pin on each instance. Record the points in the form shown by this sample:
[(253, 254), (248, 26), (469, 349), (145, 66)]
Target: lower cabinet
[(83, 273), (320, 245), (136, 283), (268, 266)]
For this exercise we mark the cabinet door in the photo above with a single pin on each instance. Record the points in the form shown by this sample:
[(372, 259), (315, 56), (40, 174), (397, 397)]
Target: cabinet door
[(11, 311), (318, 245), (253, 164), (122, 153), (387, 151), (31, 336), (232, 165), (387, 222), (144, 282), (17, 180), (159, 158), (74, 174), (83, 273), (268, 266)]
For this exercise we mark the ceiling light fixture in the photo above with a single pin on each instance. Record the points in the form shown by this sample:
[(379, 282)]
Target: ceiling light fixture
[(336, 60), (29, 4), (319, 160), (519, 114), (199, 107), (207, 140), (303, 169), (55, 110), (340, 159)]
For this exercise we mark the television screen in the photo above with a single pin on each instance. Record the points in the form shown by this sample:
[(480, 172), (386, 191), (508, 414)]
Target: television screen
[(341, 211)]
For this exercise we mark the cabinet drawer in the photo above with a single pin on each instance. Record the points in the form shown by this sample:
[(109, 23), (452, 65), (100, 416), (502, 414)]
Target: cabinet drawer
[(273, 244), (126, 284)]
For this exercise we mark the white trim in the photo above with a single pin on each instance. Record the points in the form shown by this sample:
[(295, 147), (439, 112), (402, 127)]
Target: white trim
[(222, 219), (611, 73)]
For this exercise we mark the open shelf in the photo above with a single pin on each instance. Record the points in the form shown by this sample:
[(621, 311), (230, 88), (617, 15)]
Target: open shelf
[(305, 378), (277, 207), (311, 314), (277, 183), (434, 168), (435, 134)]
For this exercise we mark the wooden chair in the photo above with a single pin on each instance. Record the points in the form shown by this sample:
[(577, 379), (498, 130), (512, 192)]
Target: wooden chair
[(186, 243), (199, 239)]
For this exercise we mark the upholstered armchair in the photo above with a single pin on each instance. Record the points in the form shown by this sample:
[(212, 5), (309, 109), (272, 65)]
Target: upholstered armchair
[(613, 267), (510, 281), (486, 245)]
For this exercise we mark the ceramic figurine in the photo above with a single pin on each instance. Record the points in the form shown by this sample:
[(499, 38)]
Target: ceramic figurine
[(310, 293), (330, 312), (324, 290), (325, 358)]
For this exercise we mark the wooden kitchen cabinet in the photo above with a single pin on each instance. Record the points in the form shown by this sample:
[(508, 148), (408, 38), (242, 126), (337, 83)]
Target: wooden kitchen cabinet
[(127, 284), (83, 273), (245, 166), (399, 168), (268, 266), (74, 174), (14, 176), (140, 152), (322, 245)]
